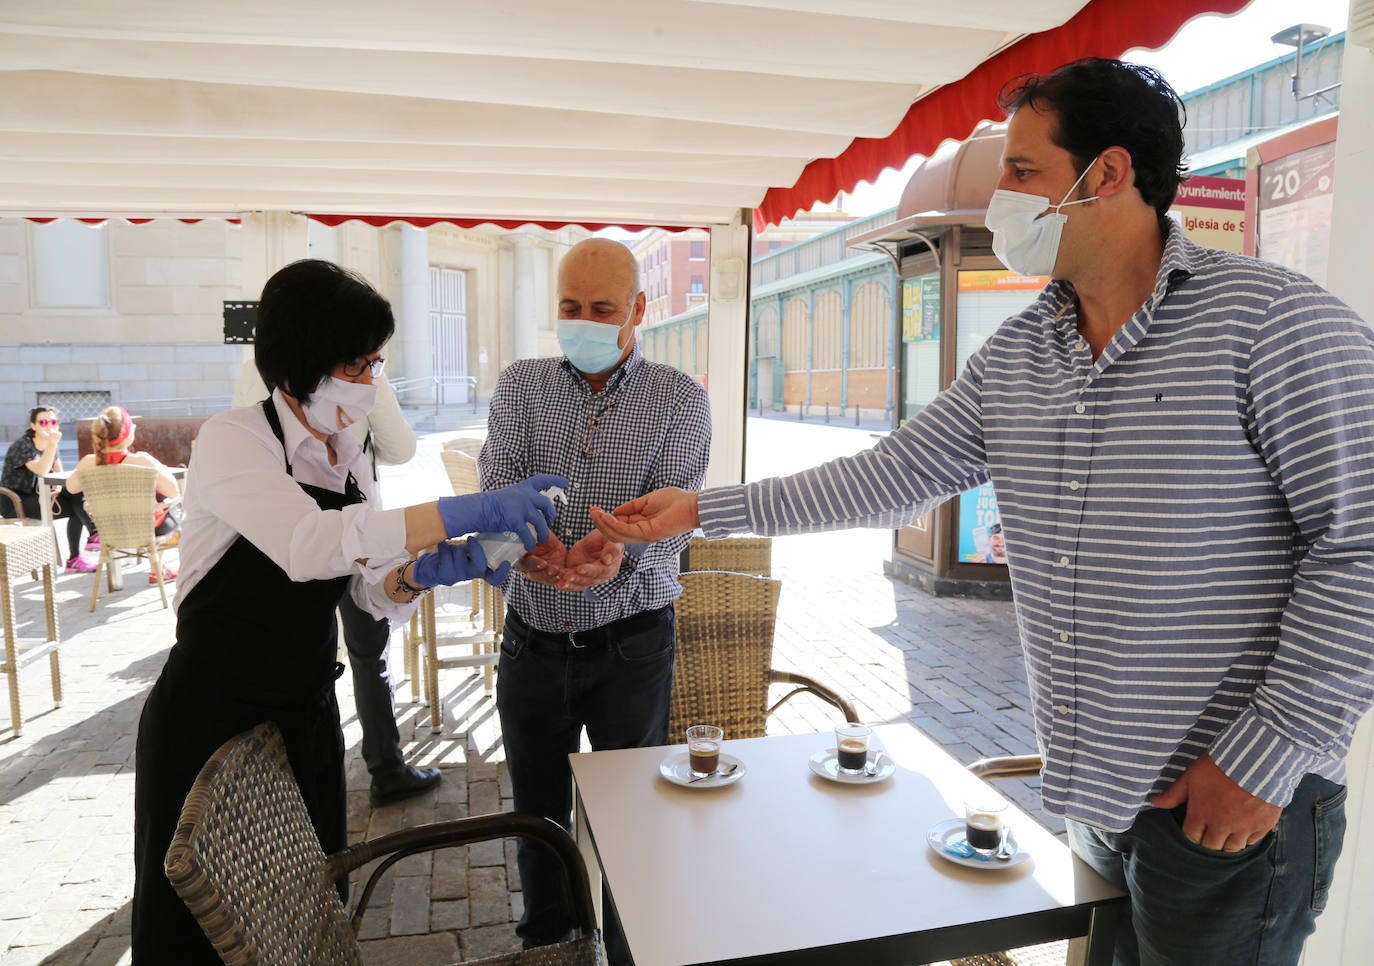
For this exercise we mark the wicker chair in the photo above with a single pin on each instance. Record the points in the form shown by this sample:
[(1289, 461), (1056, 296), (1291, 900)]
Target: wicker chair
[(247, 863), (724, 649), (740, 555), (468, 445), (120, 499)]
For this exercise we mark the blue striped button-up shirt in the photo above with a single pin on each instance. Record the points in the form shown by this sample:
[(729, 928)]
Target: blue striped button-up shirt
[(649, 427), (1189, 519)]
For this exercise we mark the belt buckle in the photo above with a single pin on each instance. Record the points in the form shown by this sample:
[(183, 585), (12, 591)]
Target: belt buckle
[(572, 639)]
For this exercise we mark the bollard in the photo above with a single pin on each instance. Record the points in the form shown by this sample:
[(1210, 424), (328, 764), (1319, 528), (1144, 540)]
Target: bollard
[(801, 411), (827, 412), (856, 414)]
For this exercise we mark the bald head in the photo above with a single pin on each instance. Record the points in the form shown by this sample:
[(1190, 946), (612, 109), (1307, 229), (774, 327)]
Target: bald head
[(604, 259), (598, 281)]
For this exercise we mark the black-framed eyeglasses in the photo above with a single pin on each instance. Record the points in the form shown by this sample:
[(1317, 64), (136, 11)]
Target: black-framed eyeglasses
[(596, 436), (355, 368)]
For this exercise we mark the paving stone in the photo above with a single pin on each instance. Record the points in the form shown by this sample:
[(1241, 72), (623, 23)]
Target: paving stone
[(488, 896)]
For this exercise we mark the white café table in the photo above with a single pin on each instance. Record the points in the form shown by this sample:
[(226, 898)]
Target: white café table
[(786, 866)]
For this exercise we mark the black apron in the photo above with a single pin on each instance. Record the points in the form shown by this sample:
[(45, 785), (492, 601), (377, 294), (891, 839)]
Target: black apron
[(252, 645)]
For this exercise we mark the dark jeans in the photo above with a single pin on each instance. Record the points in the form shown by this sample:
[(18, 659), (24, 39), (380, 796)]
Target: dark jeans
[(69, 505), (1191, 906), (366, 638), (617, 685)]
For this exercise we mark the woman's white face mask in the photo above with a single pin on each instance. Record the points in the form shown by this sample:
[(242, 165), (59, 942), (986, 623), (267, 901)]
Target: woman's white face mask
[(337, 404), (1022, 240)]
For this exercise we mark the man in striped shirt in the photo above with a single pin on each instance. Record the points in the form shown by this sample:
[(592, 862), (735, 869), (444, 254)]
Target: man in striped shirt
[(1182, 444), (589, 637)]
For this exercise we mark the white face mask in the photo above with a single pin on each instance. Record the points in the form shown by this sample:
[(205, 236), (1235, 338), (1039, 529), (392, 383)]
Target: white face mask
[(337, 404), (1025, 242)]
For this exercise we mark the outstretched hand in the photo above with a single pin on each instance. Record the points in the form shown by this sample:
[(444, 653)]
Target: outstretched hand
[(545, 563), (591, 561), (650, 518), (1222, 816)]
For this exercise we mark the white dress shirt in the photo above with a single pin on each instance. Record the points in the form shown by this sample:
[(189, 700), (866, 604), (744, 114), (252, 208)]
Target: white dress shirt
[(237, 484)]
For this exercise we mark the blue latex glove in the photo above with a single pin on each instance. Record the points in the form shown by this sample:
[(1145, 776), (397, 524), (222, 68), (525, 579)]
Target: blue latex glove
[(505, 510), (454, 563)]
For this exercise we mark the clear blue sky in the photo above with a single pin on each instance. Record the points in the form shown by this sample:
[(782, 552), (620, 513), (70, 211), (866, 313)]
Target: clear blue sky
[(1205, 50)]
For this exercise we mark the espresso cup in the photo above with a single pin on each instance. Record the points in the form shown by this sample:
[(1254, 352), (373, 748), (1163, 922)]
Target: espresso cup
[(851, 747), (703, 749), (984, 821)]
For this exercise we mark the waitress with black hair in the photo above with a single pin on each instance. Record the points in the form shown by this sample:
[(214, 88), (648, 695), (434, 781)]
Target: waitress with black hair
[(280, 524)]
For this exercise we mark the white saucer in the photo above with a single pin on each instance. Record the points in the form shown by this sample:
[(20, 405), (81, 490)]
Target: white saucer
[(825, 764), (678, 770), (951, 831)]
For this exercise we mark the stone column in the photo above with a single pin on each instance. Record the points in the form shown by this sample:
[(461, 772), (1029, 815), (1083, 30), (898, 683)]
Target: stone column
[(527, 307), (412, 321)]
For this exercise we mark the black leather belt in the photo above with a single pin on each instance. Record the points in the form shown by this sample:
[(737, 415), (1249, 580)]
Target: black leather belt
[(602, 636)]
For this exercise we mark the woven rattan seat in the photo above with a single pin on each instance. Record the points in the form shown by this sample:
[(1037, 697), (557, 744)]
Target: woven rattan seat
[(724, 651), (24, 550), (247, 863), (740, 555), (120, 499)]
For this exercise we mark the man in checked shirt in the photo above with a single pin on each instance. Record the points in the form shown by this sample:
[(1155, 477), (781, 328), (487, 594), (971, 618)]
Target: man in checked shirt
[(589, 635), (1182, 444)]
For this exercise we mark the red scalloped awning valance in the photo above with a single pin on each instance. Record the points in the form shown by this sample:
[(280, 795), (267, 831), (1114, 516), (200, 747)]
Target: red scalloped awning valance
[(132, 221), (381, 221), (1103, 28)]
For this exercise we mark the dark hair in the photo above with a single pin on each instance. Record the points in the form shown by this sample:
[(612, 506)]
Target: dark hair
[(1099, 103), (314, 315), (33, 415)]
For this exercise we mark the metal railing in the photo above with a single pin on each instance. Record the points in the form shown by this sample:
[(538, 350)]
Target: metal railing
[(436, 388), (178, 406)]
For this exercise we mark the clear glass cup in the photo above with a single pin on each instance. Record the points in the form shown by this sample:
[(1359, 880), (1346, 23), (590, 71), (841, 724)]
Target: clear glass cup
[(985, 821), (851, 747), (703, 749)]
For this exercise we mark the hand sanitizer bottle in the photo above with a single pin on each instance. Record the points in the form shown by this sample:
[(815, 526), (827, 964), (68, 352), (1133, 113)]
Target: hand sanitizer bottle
[(506, 546)]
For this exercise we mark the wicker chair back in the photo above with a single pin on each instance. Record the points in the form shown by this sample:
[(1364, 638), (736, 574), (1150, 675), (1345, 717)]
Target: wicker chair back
[(462, 471), (740, 555), (724, 650), (246, 861)]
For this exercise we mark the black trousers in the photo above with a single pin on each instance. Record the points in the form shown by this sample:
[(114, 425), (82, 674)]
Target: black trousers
[(366, 638)]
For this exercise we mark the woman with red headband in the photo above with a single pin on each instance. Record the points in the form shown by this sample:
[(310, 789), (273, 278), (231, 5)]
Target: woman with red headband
[(112, 440)]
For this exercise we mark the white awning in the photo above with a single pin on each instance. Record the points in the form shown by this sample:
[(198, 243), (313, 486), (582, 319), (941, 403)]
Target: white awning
[(672, 112)]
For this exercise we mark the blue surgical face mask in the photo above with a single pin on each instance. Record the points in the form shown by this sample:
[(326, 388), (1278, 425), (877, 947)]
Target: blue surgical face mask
[(592, 347)]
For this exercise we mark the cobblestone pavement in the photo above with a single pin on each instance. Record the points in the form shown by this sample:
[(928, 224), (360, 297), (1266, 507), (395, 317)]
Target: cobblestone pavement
[(950, 666)]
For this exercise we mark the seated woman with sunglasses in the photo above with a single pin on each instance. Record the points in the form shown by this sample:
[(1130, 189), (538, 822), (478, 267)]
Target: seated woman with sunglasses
[(112, 444), (281, 522), (33, 455)]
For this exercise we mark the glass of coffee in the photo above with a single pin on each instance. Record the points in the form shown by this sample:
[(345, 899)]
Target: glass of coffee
[(851, 747), (984, 821), (703, 749)]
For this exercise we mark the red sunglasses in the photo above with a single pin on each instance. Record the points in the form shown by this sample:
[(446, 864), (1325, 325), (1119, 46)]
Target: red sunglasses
[(48, 422)]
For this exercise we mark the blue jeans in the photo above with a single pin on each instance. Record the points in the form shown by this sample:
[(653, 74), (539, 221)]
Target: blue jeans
[(614, 680), (1191, 906)]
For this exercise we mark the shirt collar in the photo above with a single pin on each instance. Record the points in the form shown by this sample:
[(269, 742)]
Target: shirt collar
[(1182, 258), (295, 435), (621, 373)]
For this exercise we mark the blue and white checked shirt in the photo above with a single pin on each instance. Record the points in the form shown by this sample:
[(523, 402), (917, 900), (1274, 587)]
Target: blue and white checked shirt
[(654, 424), (1190, 521)]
